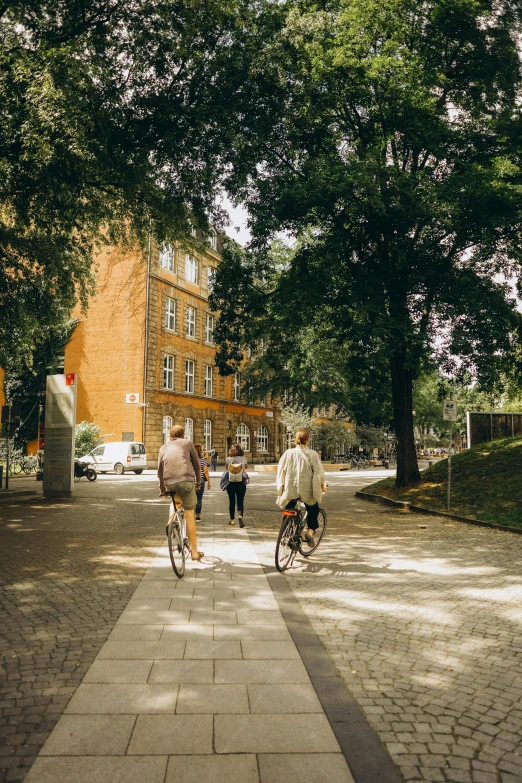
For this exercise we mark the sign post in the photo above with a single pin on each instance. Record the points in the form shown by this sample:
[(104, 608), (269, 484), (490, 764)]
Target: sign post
[(449, 413), (60, 421), (11, 420)]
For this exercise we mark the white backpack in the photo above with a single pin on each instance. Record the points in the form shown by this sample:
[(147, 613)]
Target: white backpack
[(235, 472)]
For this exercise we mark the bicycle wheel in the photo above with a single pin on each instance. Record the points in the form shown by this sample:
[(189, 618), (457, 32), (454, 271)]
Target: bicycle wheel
[(304, 547), (176, 548), (15, 468), (286, 546)]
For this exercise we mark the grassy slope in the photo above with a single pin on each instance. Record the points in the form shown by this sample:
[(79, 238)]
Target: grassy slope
[(486, 484)]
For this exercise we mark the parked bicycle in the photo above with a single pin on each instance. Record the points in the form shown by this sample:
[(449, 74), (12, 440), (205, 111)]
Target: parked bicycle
[(291, 538), (179, 545)]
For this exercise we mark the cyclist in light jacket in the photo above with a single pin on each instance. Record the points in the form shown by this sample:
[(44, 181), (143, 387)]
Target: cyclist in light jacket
[(300, 475)]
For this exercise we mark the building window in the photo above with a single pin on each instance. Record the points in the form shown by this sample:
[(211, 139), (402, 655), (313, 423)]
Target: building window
[(237, 385), (167, 424), (262, 438), (189, 377), (208, 381), (211, 278), (168, 372), (170, 314), (166, 256), (189, 429), (191, 321), (209, 328), (243, 437), (191, 269), (212, 239), (207, 434)]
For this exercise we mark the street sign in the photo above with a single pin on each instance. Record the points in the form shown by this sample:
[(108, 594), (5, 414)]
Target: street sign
[(132, 398), (449, 411)]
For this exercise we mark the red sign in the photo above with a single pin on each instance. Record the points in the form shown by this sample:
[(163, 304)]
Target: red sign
[(132, 398), (69, 379)]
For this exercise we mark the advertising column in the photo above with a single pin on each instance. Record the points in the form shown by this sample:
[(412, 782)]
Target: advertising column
[(60, 421)]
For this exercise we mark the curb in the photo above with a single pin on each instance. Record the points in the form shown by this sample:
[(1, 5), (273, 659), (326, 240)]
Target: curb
[(7, 494), (405, 505)]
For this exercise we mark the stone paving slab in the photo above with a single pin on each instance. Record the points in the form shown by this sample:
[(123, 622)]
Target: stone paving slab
[(106, 769)]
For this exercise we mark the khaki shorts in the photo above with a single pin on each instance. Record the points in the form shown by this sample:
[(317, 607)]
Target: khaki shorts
[(187, 492)]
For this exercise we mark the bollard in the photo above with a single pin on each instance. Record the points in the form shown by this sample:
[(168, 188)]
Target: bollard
[(386, 464), (430, 463), (1, 476)]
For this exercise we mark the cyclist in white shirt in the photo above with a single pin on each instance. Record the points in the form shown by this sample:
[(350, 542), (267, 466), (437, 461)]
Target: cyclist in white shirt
[(300, 476)]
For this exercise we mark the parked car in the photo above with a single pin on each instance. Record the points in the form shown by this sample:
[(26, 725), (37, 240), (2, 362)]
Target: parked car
[(119, 456)]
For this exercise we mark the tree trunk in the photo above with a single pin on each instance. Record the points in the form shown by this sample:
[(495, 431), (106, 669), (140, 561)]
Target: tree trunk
[(402, 396)]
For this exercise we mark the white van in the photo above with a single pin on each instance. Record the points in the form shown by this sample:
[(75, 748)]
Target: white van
[(119, 456)]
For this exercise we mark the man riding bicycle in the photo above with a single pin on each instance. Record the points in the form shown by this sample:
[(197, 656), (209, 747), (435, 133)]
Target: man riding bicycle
[(300, 475), (179, 472)]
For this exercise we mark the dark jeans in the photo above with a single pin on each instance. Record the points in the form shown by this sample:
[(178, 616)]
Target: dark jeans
[(213, 464), (313, 513), (199, 495), (236, 489)]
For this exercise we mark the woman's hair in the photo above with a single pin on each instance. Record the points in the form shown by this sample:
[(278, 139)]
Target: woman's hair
[(302, 437), (199, 449), (177, 431), (235, 450)]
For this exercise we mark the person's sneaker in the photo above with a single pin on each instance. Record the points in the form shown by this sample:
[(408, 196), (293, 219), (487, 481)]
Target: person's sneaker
[(309, 538), (198, 518), (241, 523)]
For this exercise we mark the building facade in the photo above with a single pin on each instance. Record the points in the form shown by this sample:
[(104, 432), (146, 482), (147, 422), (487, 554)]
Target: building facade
[(144, 356)]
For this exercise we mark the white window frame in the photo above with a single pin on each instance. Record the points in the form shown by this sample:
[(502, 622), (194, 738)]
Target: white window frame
[(212, 239), (191, 321), (207, 434), (189, 376), (262, 439), (189, 429), (167, 424), (170, 314), (243, 436), (237, 386), (211, 278), (168, 371), (209, 329), (166, 256), (209, 381), (191, 269)]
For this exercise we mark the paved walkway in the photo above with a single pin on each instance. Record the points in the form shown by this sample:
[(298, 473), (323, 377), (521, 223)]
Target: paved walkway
[(423, 618), (199, 680)]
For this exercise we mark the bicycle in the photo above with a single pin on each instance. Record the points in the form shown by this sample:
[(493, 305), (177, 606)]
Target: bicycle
[(290, 540), (176, 530), (29, 464)]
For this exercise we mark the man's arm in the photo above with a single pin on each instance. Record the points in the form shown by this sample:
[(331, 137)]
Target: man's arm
[(160, 471), (195, 463)]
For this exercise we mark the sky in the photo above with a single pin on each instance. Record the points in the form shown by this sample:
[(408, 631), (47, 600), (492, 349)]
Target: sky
[(238, 222)]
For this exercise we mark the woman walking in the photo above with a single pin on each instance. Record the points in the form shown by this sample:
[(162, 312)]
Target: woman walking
[(205, 477), (300, 475), (237, 465)]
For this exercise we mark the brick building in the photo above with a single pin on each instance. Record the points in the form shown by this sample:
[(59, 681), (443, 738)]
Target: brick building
[(144, 355)]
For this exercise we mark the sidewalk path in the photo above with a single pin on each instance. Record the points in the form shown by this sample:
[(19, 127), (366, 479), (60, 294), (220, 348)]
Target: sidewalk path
[(423, 618), (200, 680)]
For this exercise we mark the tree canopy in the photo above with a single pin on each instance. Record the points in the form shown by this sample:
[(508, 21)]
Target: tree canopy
[(113, 120), (385, 137)]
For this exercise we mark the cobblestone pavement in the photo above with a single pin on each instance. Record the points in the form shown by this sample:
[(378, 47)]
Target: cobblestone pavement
[(423, 617), (68, 569)]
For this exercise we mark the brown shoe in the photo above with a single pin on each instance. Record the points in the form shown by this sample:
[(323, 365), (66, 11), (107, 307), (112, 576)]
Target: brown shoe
[(232, 522)]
